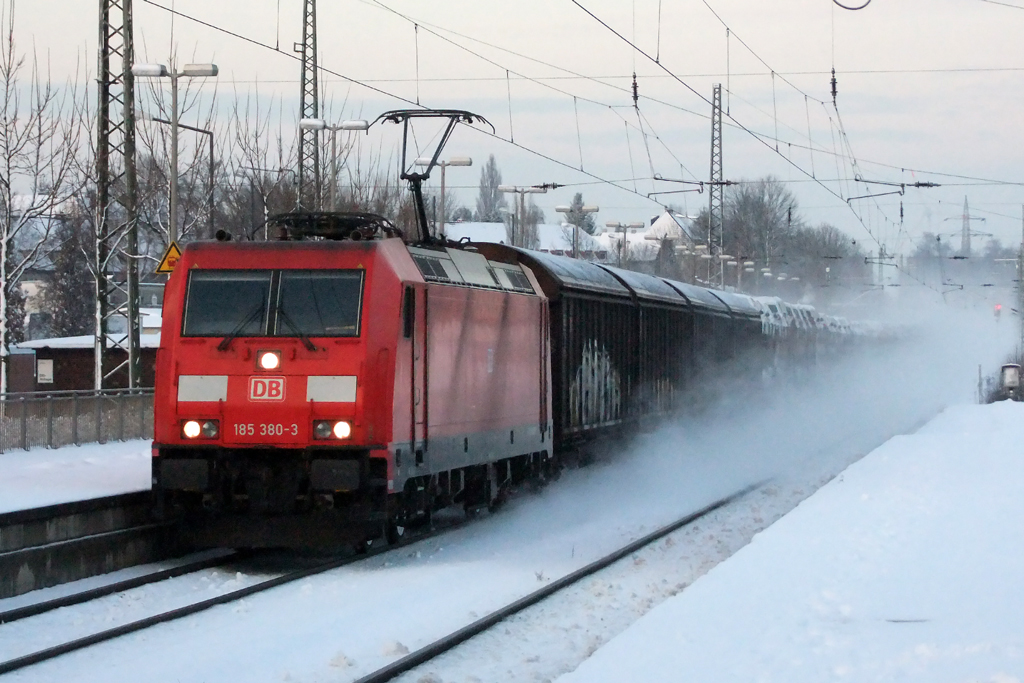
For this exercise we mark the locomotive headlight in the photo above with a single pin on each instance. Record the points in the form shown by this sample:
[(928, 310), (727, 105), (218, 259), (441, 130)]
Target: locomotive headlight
[(269, 360), (321, 430), (194, 429), (331, 429), (191, 429)]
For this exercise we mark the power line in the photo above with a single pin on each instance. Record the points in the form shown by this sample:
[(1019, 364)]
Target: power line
[(1004, 4), (738, 123), (354, 81)]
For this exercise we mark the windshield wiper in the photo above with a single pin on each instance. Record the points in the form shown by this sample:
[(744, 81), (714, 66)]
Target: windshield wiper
[(226, 341), (295, 328)]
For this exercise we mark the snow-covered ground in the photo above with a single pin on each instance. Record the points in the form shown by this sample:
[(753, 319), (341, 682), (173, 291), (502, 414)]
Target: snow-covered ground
[(343, 624), (908, 566), (39, 477)]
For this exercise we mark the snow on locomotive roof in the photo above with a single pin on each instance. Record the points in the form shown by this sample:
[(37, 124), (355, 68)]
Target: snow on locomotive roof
[(647, 286), (470, 268), (576, 273)]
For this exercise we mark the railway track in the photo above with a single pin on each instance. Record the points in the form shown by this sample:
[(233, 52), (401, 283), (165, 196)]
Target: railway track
[(453, 640), (180, 612), (45, 606), (387, 673)]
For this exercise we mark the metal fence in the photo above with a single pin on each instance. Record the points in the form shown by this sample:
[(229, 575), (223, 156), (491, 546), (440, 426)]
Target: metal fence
[(62, 418)]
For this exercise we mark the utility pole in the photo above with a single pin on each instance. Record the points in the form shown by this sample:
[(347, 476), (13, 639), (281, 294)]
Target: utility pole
[(116, 255), (519, 237), (309, 193), (965, 230), (1020, 286), (716, 191)]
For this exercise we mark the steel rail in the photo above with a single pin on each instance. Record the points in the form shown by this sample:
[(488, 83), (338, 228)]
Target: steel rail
[(126, 584), (171, 615), (451, 641)]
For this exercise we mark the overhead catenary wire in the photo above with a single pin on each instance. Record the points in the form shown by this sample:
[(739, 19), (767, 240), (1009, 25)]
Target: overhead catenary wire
[(649, 129), (686, 85), (617, 184)]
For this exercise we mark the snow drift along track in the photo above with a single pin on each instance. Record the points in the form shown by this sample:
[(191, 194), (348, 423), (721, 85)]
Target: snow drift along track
[(452, 640)]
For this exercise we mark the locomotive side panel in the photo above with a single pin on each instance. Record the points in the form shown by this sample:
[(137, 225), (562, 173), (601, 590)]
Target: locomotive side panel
[(484, 391)]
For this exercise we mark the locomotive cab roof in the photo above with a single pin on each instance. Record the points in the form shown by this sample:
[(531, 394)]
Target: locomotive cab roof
[(334, 225)]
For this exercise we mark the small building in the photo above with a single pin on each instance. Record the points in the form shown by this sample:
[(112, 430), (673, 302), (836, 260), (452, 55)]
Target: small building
[(68, 363)]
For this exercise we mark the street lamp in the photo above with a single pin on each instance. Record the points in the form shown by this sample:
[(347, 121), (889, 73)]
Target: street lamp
[(623, 228), (161, 71), (321, 124), (522, 192), (208, 133), (454, 161), (584, 210)]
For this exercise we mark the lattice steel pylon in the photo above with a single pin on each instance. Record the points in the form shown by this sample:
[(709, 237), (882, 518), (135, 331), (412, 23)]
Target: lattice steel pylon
[(309, 193), (716, 192), (116, 347)]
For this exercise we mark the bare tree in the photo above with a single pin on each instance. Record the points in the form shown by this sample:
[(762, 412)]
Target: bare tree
[(39, 141), (68, 301), (490, 200), (153, 165), (259, 179)]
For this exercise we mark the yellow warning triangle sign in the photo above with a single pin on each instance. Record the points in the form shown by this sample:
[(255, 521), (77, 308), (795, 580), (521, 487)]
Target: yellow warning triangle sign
[(170, 258)]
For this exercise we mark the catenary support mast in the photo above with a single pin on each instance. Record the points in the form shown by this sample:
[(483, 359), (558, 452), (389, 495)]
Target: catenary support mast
[(309, 192), (116, 346), (716, 191)]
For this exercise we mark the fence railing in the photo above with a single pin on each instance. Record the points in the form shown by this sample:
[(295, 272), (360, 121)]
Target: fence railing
[(62, 418)]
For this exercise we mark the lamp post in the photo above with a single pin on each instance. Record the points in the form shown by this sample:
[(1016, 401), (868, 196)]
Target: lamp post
[(454, 161), (624, 228), (739, 273), (583, 211), (321, 124), (208, 133), (746, 267), (522, 192), (161, 71)]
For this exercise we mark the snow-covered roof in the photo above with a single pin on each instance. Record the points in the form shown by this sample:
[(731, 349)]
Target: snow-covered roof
[(643, 243), (671, 227), (85, 341), (553, 239), (150, 319)]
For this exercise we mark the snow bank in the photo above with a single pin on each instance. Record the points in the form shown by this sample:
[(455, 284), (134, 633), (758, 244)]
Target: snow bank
[(906, 567), (42, 477)]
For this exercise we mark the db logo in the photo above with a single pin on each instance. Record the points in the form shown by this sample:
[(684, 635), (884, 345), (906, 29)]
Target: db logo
[(266, 388)]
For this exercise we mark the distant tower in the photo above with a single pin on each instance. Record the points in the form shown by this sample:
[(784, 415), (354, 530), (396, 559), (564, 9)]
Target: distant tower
[(116, 255), (716, 192), (965, 233), (309, 149)]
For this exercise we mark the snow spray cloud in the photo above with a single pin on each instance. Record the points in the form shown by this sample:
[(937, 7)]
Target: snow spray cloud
[(818, 423)]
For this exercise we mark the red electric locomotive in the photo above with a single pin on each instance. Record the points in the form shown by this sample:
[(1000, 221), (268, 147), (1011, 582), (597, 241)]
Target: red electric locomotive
[(341, 383), (332, 380)]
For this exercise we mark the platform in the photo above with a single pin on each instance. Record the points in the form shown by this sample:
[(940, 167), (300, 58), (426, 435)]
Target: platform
[(908, 566), (42, 477)]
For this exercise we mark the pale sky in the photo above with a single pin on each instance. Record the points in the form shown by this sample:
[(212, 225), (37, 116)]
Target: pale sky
[(930, 86)]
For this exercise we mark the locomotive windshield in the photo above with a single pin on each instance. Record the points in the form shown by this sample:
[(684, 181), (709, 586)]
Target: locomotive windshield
[(266, 303), (227, 302), (319, 303)]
